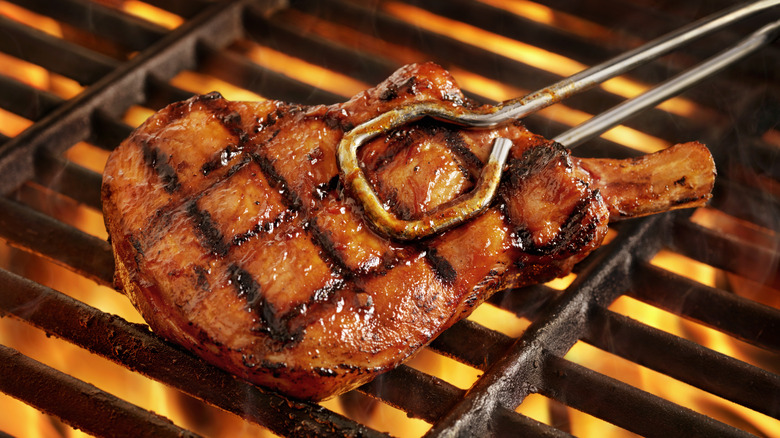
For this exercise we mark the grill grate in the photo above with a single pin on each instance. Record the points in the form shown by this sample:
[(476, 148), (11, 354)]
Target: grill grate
[(123, 61)]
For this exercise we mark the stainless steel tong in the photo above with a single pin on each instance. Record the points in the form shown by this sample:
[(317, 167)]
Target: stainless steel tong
[(478, 199)]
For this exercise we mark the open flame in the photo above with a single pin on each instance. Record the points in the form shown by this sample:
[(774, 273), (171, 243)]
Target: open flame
[(213, 422)]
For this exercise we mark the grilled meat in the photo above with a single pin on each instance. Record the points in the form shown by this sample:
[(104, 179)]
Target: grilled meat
[(234, 237)]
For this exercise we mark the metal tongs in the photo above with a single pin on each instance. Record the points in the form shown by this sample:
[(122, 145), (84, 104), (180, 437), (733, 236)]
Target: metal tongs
[(478, 199)]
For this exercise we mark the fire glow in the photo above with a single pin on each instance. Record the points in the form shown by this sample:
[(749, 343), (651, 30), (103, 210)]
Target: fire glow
[(202, 418)]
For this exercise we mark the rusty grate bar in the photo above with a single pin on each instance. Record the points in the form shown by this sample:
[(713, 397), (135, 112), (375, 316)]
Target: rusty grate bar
[(136, 348), (75, 402), (40, 234)]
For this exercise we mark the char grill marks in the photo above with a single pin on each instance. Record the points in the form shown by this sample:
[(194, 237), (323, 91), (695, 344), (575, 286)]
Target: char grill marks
[(261, 262), (237, 203), (240, 203)]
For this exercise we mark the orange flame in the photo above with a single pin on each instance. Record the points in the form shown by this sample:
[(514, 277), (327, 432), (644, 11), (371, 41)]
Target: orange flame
[(154, 396)]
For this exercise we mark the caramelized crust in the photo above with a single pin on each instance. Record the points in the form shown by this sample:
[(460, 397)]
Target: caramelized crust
[(233, 236)]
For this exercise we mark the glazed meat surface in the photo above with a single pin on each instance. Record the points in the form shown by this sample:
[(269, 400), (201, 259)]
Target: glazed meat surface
[(234, 237)]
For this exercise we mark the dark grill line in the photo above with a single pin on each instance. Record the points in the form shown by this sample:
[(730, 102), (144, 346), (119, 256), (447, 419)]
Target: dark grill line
[(533, 161), (441, 267), (157, 160), (454, 141), (210, 236), (276, 180), (269, 321), (328, 251), (264, 227), (573, 234), (277, 326)]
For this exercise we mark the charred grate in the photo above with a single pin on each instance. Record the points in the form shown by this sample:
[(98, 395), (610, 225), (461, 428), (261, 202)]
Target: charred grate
[(123, 61)]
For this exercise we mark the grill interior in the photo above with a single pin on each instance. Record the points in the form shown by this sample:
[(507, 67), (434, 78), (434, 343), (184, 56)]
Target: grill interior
[(75, 82)]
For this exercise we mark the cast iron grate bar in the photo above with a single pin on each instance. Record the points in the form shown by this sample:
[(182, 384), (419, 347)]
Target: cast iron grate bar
[(553, 333), (70, 179), (78, 403), (104, 22), (26, 101), (419, 394), (559, 40), (625, 406), (160, 93), (41, 234), (54, 54), (728, 252), (116, 91), (372, 19), (519, 28), (182, 8), (685, 360), (509, 423), (239, 71), (284, 31), (492, 344), (528, 302), (107, 131), (136, 348), (744, 319), (747, 203)]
